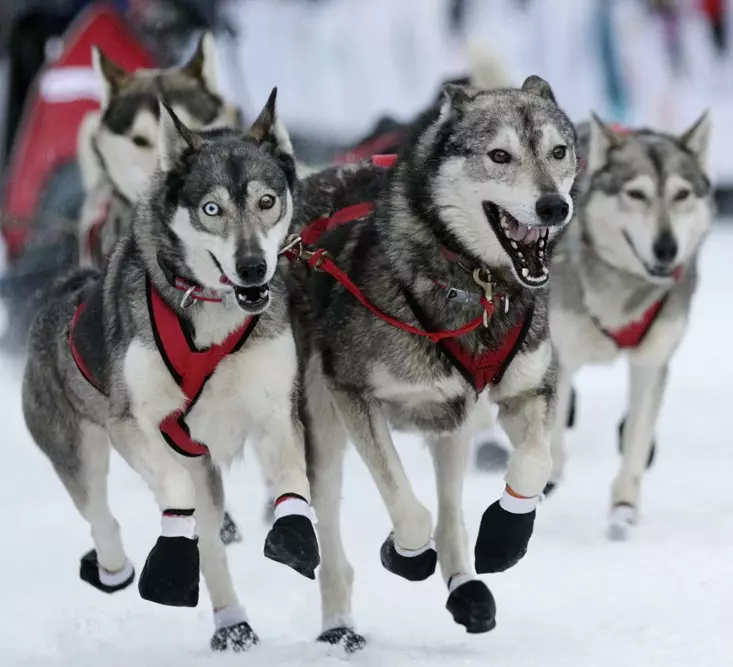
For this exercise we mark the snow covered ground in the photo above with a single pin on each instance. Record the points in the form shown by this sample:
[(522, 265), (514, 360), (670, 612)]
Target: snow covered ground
[(664, 599)]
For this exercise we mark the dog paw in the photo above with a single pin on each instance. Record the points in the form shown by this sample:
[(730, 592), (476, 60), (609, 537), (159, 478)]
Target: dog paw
[(292, 542), (503, 538), (621, 523), (346, 638), (107, 582), (229, 531), (413, 566), (171, 573), (238, 638), (491, 456), (652, 451), (472, 605)]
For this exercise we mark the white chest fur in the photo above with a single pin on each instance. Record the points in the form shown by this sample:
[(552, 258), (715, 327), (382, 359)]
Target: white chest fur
[(250, 391), (388, 387)]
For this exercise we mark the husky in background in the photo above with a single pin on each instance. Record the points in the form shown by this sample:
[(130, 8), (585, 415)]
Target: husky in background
[(117, 145), (624, 279), (178, 352), (460, 243)]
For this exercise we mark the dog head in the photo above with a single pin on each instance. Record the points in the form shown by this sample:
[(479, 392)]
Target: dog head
[(647, 205), (125, 139), (499, 166), (222, 201)]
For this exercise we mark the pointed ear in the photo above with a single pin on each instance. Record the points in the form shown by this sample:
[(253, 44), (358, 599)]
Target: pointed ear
[(697, 139), (536, 85), (111, 75), (202, 64), (268, 127), (601, 139), (452, 96), (174, 138)]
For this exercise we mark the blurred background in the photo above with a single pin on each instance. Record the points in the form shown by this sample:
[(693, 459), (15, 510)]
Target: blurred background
[(347, 70)]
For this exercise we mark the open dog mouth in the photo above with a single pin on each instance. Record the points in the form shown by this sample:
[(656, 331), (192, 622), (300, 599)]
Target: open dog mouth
[(253, 299), (525, 245)]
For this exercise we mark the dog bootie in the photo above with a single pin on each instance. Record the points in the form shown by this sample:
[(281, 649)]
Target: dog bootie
[(652, 451), (292, 539), (108, 582), (349, 640), (229, 532), (410, 564), (233, 632), (506, 528), (171, 573), (471, 604)]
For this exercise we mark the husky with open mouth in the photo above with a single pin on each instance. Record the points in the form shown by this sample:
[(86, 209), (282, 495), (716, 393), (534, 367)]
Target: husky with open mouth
[(624, 279), (176, 354), (435, 287)]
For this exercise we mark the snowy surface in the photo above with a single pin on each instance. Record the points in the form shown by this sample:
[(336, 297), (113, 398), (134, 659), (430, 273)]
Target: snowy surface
[(664, 599)]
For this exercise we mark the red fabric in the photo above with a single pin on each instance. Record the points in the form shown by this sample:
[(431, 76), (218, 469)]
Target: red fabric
[(713, 8), (80, 363), (48, 134), (633, 333), (386, 160), (483, 368), (193, 367), (370, 148)]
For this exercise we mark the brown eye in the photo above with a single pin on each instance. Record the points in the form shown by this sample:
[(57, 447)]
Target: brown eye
[(142, 142), (682, 195), (636, 194), (266, 202), (559, 152), (500, 157)]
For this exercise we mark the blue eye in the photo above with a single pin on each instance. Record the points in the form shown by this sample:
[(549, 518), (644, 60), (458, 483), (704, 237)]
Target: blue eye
[(211, 208)]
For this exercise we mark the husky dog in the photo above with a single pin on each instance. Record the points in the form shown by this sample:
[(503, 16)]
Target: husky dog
[(625, 276), (181, 348), (117, 145), (459, 244)]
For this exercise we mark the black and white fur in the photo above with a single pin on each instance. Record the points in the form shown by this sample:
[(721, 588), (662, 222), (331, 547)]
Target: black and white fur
[(219, 202), (644, 209), (452, 186)]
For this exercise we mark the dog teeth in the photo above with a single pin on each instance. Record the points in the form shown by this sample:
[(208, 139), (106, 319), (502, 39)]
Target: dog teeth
[(514, 244), (542, 243), (525, 271), (545, 270)]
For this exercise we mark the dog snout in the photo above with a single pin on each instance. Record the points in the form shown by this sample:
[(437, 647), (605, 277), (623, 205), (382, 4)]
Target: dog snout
[(552, 209), (251, 269), (665, 247)]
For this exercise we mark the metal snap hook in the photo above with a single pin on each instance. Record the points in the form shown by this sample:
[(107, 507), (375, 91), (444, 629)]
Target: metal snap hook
[(187, 299)]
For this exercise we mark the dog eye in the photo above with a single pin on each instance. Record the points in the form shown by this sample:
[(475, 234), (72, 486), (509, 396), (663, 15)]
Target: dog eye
[(140, 141), (500, 157), (682, 195), (636, 194), (211, 208), (266, 202), (559, 152)]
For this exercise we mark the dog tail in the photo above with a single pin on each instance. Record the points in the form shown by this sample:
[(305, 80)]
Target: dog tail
[(487, 68)]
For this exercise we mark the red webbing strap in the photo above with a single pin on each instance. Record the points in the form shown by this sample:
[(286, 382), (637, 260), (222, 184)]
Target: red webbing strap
[(632, 334), (324, 263), (78, 359)]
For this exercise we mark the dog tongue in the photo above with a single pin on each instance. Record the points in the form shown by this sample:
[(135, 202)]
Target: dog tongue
[(532, 235), (521, 233)]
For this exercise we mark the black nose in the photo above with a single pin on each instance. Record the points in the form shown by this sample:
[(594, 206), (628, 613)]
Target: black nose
[(665, 247), (251, 269), (552, 209)]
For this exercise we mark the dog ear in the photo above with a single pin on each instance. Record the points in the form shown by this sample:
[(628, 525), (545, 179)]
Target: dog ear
[(536, 85), (268, 127), (111, 75), (697, 139), (601, 139), (452, 96), (202, 64), (174, 138)]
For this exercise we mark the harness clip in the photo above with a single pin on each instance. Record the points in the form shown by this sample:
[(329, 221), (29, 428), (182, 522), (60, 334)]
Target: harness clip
[(482, 278)]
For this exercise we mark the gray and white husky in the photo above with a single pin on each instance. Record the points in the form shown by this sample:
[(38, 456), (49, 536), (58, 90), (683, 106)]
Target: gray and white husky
[(182, 347), (624, 279), (117, 145), (464, 226)]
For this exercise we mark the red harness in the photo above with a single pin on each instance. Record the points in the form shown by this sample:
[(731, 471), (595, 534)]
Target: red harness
[(481, 369), (631, 335), (189, 367)]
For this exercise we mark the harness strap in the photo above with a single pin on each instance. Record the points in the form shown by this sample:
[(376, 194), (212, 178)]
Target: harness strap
[(632, 334)]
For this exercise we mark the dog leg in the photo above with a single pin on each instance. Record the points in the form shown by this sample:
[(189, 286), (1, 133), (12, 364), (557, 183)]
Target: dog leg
[(106, 567), (557, 449), (233, 631), (171, 572), (408, 551), (647, 384), (292, 538), (470, 602), (507, 525)]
